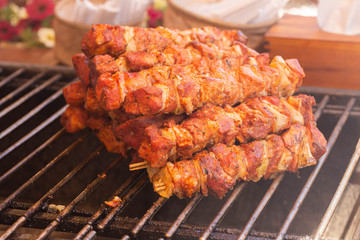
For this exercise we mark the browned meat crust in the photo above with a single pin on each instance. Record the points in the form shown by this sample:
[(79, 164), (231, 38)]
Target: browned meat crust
[(75, 94), (252, 119), (116, 40), (180, 89), (137, 61), (217, 170), (81, 66), (74, 119)]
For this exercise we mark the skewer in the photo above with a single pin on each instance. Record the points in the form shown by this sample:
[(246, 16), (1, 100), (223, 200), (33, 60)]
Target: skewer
[(159, 187), (138, 166)]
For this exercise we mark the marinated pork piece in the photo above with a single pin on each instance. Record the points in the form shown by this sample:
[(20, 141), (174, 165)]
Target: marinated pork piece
[(179, 89), (75, 94), (116, 40), (133, 131), (83, 111), (253, 119), (216, 170), (106, 136), (81, 66), (74, 119), (137, 61)]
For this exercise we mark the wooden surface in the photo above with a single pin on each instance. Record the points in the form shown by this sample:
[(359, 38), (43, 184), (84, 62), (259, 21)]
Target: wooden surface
[(329, 60), (18, 53)]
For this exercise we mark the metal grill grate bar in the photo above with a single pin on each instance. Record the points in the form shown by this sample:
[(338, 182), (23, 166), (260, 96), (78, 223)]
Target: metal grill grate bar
[(148, 215), (132, 193), (133, 177), (320, 107), (339, 112), (334, 135), (183, 215), (31, 113), (260, 207), (33, 132), (234, 195), (90, 235), (340, 107), (11, 76), (32, 154), (21, 88), (335, 200), (29, 95), (156, 206), (28, 183), (39, 204), (89, 189), (276, 182)]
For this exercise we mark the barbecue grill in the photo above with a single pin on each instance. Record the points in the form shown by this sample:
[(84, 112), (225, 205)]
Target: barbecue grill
[(54, 184)]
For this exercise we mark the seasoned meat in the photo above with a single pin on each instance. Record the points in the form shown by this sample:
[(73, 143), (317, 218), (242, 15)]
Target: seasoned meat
[(75, 94), (81, 66), (74, 119), (174, 54), (116, 40), (253, 119), (179, 89), (216, 170)]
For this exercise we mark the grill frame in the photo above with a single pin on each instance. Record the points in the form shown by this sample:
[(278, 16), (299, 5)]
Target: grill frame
[(90, 224)]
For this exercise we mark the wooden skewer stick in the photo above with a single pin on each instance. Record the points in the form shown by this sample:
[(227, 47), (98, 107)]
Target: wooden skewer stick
[(160, 188), (158, 185), (138, 166), (135, 169)]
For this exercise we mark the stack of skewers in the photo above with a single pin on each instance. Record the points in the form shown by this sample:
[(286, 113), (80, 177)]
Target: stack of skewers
[(197, 108)]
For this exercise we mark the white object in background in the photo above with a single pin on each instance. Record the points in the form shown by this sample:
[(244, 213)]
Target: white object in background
[(235, 11), (109, 11), (270, 10), (339, 16)]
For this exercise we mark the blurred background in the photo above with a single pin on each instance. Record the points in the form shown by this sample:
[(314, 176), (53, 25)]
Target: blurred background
[(31, 22), (321, 35)]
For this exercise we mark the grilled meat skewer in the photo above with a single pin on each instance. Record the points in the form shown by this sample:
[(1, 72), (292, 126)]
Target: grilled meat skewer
[(136, 61), (180, 89), (253, 119), (74, 119), (75, 94), (102, 128), (81, 66), (217, 170), (83, 111), (116, 40)]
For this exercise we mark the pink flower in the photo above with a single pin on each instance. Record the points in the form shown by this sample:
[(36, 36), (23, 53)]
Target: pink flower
[(154, 14), (7, 32), (155, 17), (40, 9), (23, 24), (3, 3)]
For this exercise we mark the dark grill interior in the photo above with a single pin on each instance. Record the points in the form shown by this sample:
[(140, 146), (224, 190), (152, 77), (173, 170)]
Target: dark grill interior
[(41, 166)]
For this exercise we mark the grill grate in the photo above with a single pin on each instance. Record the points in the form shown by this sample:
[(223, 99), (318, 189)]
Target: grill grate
[(42, 165)]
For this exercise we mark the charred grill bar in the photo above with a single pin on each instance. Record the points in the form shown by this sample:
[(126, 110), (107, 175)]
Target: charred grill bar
[(42, 165)]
